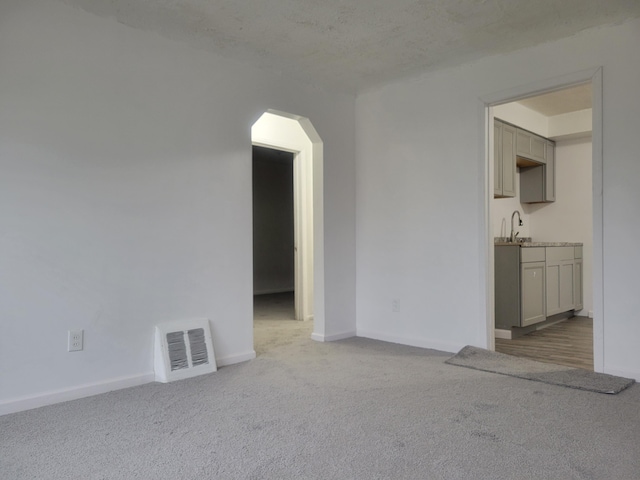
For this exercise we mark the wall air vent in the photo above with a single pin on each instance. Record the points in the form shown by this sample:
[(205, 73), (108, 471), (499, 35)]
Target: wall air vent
[(183, 349)]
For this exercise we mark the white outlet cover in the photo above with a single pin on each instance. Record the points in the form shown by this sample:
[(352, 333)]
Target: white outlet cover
[(76, 340)]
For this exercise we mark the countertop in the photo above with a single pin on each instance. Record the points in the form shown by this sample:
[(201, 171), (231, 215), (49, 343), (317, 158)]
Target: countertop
[(526, 242)]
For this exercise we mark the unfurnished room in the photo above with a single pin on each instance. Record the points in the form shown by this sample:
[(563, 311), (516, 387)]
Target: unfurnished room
[(319, 240)]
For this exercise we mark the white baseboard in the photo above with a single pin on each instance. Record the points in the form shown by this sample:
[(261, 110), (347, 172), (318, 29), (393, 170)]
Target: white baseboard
[(331, 338), (503, 334), (239, 358), (411, 341), (620, 372), (57, 396)]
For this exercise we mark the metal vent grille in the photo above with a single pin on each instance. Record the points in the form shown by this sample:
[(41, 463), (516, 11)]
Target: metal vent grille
[(199, 354), (183, 349), (177, 351)]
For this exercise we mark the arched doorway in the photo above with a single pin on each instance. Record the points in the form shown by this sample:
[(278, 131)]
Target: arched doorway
[(292, 133)]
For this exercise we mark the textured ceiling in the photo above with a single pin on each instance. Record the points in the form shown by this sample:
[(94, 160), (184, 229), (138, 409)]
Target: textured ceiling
[(353, 44), (562, 101)]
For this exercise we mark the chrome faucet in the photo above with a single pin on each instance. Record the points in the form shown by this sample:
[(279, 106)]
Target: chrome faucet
[(512, 239)]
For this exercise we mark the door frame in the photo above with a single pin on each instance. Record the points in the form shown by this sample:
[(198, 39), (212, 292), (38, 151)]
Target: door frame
[(295, 134), (485, 113)]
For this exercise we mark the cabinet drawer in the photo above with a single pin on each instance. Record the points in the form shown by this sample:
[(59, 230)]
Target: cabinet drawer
[(556, 254), (532, 254), (577, 252)]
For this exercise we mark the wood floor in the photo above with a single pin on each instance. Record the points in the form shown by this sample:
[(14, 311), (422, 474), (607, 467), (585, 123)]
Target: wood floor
[(566, 343)]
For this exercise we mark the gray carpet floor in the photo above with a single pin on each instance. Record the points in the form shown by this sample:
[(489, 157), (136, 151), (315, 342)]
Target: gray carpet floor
[(353, 409)]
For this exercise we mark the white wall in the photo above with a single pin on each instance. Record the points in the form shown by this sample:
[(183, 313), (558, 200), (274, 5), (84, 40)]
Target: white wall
[(571, 126), (523, 117), (125, 198), (570, 217), (420, 181), (503, 208)]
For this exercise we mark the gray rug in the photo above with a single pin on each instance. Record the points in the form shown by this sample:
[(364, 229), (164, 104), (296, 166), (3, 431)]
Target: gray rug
[(488, 361)]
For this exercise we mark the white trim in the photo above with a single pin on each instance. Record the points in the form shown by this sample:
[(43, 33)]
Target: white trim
[(541, 86), (503, 334), (299, 247), (63, 395), (486, 334), (411, 341), (598, 221), (622, 372), (593, 75), (332, 338), (239, 358), (273, 129)]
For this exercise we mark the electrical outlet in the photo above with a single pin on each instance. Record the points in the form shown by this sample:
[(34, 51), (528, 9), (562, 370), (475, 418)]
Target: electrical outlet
[(76, 340), (395, 305)]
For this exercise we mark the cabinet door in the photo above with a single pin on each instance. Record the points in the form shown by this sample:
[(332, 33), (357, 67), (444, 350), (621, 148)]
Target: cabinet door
[(560, 287), (523, 144), (567, 286), (508, 161), (553, 289), (550, 173), (577, 274), (507, 286), (532, 276), (538, 149), (497, 158)]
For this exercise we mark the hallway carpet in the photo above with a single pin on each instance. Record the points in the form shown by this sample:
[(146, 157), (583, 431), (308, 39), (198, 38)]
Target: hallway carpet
[(274, 323)]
